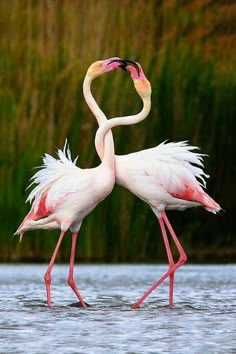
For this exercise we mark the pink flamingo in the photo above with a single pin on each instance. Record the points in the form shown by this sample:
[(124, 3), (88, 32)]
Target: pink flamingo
[(65, 194), (167, 177)]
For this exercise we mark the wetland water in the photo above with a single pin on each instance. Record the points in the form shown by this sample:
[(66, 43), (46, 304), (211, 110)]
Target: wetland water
[(203, 319)]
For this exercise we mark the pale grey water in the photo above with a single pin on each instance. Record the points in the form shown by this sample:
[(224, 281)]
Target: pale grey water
[(203, 319)]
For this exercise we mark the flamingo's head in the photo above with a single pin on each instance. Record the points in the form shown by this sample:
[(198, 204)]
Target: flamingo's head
[(102, 66), (141, 83)]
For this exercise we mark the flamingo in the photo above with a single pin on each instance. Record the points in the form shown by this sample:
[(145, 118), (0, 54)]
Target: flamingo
[(169, 176), (65, 194)]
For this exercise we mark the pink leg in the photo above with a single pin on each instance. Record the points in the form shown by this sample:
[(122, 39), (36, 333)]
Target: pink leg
[(47, 275), (170, 260), (182, 259), (70, 281), (182, 254)]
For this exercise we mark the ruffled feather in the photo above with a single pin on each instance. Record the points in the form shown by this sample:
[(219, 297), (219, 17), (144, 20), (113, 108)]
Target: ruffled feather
[(175, 154), (51, 170)]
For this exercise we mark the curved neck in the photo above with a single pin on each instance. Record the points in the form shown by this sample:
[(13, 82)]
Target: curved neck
[(127, 120), (95, 109), (99, 115)]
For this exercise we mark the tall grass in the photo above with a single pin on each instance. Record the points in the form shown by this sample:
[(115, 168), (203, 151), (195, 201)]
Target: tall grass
[(45, 49)]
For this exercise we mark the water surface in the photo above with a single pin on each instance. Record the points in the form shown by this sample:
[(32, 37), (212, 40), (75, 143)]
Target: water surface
[(203, 319)]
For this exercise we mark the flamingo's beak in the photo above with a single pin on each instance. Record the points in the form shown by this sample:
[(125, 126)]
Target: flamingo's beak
[(123, 63)]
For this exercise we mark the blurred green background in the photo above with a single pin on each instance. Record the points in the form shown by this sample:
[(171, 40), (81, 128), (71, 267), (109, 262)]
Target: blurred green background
[(187, 51)]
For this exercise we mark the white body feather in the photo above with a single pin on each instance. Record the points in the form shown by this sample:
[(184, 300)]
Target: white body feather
[(64, 194), (161, 175)]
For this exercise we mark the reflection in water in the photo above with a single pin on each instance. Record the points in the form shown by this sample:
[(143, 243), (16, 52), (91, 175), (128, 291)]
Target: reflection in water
[(202, 320)]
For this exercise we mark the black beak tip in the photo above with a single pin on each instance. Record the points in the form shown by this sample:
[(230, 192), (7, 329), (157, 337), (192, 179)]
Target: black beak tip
[(123, 66), (123, 63), (127, 62)]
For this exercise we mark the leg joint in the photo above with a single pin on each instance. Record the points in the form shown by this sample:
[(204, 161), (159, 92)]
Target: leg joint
[(47, 278)]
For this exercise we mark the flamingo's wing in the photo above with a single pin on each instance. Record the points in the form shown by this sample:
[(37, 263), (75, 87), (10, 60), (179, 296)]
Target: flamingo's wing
[(170, 174), (52, 170), (169, 160)]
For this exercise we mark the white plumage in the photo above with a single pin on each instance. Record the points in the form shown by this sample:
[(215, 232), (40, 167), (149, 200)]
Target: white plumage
[(65, 194), (168, 176), (51, 170)]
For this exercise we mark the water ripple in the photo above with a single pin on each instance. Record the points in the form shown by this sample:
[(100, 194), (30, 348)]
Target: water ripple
[(202, 320)]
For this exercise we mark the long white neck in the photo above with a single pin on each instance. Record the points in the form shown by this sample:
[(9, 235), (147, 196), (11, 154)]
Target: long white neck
[(99, 115), (127, 120)]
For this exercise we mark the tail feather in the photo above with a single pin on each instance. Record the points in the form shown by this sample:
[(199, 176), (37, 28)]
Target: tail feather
[(206, 201), (210, 205), (193, 194)]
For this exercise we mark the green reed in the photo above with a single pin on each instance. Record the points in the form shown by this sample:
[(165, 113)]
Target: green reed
[(45, 50)]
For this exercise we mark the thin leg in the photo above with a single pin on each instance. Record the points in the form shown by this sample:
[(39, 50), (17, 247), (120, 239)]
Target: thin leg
[(182, 259), (170, 260), (47, 275), (70, 281), (182, 254)]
